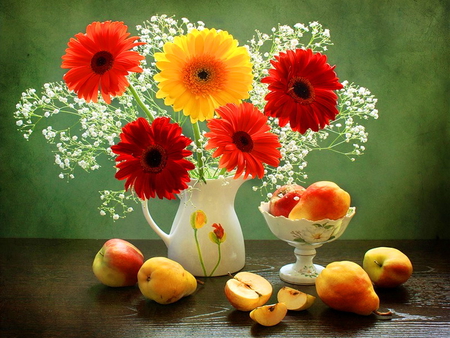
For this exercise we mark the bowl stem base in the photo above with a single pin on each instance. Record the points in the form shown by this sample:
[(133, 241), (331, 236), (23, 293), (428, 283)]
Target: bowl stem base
[(303, 271)]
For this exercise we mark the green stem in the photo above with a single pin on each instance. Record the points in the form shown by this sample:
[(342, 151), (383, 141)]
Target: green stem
[(140, 103), (197, 135), (199, 252), (218, 261), (223, 171)]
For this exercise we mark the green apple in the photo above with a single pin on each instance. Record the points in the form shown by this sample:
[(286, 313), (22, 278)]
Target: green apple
[(387, 267), (117, 263)]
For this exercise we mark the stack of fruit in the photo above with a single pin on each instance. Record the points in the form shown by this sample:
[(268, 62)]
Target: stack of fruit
[(321, 200)]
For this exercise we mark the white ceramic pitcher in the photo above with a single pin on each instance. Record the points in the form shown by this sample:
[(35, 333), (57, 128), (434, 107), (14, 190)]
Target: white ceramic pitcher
[(206, 236)]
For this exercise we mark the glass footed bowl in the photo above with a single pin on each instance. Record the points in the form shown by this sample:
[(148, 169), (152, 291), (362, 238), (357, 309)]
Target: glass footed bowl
[(306, 236)]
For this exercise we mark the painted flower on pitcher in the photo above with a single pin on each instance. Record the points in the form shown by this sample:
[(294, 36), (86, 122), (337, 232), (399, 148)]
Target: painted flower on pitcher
[(218, 235), (315, 233), (242, 139), (202, 71), (198, 219), (301, 86), (100, 60), (152, 158)]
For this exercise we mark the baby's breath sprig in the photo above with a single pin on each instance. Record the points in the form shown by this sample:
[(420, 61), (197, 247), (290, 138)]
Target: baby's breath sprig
[(116, 203), (93, 127)]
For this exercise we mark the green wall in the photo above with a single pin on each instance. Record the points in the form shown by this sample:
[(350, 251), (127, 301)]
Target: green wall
[(397, 49)]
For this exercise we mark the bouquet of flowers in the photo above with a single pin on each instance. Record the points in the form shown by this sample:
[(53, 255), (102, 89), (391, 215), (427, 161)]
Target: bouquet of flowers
[(180, 101)]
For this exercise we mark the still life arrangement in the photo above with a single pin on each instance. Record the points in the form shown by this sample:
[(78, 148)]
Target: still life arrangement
[(181, 107), (185, 111)]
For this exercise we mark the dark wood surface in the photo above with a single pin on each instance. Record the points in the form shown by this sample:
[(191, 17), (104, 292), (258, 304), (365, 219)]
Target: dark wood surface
[(47, 289)]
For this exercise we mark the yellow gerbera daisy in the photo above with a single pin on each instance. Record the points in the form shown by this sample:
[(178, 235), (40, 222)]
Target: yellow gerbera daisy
[(202, 71)]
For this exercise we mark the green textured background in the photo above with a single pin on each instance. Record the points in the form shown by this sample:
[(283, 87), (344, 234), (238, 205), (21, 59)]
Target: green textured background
[(397, 49)]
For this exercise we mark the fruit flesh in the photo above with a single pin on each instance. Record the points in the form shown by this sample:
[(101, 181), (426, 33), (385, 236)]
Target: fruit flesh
[(269, 315), (295, 300), (246, 291)]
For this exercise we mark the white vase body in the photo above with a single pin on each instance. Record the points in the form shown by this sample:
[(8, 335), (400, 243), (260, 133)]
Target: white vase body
[(206, 236)]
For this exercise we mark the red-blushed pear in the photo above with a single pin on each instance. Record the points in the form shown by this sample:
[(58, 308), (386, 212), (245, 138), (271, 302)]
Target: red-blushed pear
[(295, 300), (269, 315), (246, 291), (387, 267), (165, 281), (284, 199), (345, 286), (322, 200), (117, 263)]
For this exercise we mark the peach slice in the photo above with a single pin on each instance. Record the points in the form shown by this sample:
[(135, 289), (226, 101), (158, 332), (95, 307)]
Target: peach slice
[(269, 315), (246, 291), (295, 300)]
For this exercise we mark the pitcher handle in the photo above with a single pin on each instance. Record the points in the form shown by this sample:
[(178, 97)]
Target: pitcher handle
[(165, 237)]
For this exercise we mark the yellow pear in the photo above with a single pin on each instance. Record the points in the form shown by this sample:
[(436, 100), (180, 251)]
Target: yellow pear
[(165, 281), (269, 315), (322, 200), (295, 300), (345, 286)]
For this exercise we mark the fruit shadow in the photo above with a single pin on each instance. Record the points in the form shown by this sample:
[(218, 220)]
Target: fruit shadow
[(345, 322), (397, 295)]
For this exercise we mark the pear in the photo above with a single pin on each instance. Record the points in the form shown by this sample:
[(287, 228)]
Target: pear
[(165, 281), (345, 286), (295, 300), (269, 315)]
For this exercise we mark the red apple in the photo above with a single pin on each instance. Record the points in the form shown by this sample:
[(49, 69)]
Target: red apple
[(387, 267), (117, 263), (284, 199), (322, 200)]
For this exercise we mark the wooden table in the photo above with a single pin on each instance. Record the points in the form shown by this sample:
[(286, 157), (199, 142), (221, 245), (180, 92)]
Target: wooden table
[(47, 289)]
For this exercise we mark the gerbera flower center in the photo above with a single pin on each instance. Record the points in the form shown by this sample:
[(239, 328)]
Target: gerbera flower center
[(154, 159), (301, 90), (203, 75), (243, 141), (101, 62)]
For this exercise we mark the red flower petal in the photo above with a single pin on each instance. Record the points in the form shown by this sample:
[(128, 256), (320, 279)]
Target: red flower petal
[(100, 60), (152, 158), (301, 86), (243, 140)]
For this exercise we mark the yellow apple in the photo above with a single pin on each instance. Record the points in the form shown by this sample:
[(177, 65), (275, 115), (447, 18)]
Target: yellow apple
[(165, 281), (322, 200), (117, 263), (345, 286), (295, 300), (269, 315), (246, 291), (387, 267)]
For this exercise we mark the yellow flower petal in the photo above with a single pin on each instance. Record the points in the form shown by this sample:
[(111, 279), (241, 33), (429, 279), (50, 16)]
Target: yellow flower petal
[(202, 71)]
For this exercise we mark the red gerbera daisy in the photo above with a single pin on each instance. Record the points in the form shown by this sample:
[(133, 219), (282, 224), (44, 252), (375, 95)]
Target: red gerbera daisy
[(152, 158), (100, 60), (243, 139), (301, 86)]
